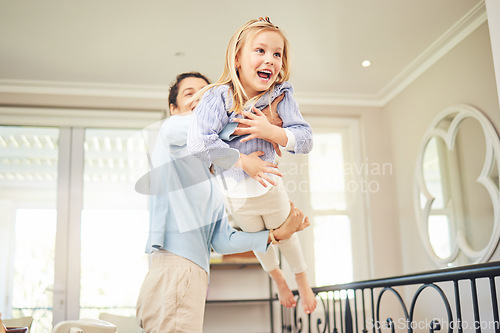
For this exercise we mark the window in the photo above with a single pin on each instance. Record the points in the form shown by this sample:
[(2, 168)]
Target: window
[(338, 185)]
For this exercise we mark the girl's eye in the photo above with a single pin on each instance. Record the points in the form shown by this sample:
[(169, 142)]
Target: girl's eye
[(259, 50), (277, 54)]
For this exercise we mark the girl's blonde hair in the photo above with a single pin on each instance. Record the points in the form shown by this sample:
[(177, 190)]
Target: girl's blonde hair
[(230, 75)]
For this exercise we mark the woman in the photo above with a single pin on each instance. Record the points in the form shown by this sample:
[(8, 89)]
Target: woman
[(187, 219)]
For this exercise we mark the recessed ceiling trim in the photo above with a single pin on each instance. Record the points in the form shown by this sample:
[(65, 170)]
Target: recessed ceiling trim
[(440, 47), (159, 92), (338, 99), (83, 89), (67, 117)]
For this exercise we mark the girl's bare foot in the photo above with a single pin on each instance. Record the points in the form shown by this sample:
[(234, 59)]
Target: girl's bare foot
[(307, 298), (284, 293)]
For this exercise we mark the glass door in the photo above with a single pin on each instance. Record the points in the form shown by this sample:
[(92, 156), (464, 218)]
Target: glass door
[(29, 158), (114, 222), (72, 228)]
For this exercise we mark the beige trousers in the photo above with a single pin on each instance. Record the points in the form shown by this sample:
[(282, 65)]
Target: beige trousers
[(268, 211), (172, 297)]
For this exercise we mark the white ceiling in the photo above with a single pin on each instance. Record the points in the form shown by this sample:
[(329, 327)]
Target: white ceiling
[(141, 45)]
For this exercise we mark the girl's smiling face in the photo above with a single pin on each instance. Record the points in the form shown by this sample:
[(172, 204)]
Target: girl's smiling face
[(259, 62)]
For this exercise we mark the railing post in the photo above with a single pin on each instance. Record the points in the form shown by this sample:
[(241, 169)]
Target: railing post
[(364, 310), (348, 316), (494, 303), (457, 305), (475, 306)]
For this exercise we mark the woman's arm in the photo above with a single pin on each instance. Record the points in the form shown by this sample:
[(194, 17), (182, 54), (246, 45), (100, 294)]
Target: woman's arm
[(208, 120), (228, 240)]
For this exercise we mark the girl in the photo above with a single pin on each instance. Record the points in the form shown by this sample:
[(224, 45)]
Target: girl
[(255, 74)]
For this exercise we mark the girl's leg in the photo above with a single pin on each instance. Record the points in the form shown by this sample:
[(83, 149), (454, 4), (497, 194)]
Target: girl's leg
[(247, 218), (307, 298), (291, 249), (292, 252), (270, 263), (284, 292)]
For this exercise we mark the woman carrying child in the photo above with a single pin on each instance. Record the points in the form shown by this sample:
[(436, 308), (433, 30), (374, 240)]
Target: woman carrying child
[(255, 73)]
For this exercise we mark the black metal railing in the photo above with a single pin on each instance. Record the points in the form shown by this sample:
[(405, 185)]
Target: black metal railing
[(462, 299)]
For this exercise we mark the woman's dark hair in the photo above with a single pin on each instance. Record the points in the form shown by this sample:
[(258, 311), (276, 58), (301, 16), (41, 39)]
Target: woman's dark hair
[(174, 88)]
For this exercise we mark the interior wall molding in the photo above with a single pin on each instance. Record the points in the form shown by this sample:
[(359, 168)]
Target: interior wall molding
[(68, 117), (83, 89), (441, 46)]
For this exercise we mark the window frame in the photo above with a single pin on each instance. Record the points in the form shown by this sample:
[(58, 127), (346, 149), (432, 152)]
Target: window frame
[(357, 202)]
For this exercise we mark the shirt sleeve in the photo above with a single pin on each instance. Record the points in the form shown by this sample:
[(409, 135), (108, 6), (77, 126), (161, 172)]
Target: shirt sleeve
[(203, 139), (288, 110), (290, 144), (174, 131), (227, 240)]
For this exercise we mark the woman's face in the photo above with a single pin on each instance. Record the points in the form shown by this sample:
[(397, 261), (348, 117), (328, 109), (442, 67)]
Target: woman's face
[(187, 88)]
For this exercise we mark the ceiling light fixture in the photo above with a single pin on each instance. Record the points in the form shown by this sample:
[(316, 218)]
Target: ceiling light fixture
[(366, 63)]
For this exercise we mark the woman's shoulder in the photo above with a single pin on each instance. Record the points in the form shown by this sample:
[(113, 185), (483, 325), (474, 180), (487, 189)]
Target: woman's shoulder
[(176, 123)]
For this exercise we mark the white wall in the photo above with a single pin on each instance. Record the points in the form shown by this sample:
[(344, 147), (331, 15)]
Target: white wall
[(465, 75)]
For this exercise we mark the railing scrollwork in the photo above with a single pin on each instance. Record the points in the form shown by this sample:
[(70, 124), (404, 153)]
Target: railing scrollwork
[(344, 308)]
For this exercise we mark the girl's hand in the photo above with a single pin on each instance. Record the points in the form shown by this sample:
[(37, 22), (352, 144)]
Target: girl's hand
[(255, 124), (271, 113), (260, 128), (257, 168)]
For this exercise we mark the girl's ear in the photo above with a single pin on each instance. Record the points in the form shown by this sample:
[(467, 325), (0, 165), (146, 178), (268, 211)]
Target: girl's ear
[(237, 61)]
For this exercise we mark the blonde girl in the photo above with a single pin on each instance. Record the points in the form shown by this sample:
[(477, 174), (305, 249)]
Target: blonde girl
[(255, 74)]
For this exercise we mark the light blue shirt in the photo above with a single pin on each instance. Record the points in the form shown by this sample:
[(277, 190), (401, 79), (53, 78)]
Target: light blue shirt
[(187, 214), (211, 116)]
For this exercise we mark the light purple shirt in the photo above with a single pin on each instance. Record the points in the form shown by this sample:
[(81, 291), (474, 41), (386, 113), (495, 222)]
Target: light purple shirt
[(211, 116)]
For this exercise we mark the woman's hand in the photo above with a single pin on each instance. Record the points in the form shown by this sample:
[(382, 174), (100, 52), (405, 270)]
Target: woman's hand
[(271, 111), (257, 168), (294, 222)]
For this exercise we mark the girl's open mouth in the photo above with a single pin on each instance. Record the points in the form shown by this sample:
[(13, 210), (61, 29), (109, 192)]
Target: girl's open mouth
[(264, 74)]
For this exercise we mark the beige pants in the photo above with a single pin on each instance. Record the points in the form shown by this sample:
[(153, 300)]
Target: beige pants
[(172, 297), (268, 211)]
